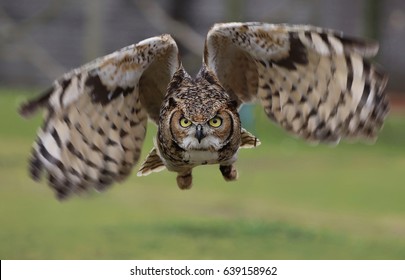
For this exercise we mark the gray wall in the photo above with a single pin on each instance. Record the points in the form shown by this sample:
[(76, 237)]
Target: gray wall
[(41, 39)]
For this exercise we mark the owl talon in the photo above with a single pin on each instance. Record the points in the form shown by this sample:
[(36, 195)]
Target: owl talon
[(185, 181), (229, 172)]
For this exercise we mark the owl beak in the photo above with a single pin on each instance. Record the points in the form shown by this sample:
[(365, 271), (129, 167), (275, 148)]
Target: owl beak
[(199, 133)]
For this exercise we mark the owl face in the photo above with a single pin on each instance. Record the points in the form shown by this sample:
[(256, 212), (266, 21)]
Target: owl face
[(198, 133)]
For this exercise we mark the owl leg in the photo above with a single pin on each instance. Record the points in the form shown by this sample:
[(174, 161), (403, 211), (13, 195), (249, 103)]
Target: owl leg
[(185, 179), (229, 172)]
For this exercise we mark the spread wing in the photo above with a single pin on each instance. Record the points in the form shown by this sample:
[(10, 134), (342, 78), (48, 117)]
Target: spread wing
[(96, 116), (315, 83)]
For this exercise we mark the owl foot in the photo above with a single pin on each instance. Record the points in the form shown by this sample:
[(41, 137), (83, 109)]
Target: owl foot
[(229, 172), (184, 181)]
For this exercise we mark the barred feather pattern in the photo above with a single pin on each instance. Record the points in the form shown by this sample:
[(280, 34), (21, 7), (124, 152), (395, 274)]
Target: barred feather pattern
[(315, 83), (89, 146), (95, 121)]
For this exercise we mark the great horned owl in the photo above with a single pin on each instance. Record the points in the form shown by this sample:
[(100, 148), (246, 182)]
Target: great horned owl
[(315, 83)]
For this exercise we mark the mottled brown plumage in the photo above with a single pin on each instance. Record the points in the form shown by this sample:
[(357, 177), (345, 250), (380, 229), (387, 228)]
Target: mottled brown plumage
[(197, 100), (315, 83)]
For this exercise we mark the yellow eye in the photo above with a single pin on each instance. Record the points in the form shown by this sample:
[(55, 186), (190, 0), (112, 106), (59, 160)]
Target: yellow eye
[(215, 122), (185, 122)]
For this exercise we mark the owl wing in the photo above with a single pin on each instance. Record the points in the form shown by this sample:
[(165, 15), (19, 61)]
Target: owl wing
[(314, 82), (96, 116)]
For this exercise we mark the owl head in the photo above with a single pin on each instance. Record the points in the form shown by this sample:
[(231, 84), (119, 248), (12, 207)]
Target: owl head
[(198, 114)]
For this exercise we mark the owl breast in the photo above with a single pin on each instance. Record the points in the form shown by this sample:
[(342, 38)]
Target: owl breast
[(188, 151), (200, 157), (204, 151)]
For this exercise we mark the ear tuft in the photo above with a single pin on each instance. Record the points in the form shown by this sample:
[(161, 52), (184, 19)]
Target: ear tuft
[(172, 102), (233, 104)]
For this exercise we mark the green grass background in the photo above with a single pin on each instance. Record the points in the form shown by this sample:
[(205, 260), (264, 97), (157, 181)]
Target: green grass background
[(292, 201)]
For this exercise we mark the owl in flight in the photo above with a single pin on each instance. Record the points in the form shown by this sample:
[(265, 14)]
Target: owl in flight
[(315, 83)]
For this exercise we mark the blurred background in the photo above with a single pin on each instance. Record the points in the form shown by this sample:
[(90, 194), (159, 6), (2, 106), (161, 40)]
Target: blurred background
[(42, 39), (292, 201)]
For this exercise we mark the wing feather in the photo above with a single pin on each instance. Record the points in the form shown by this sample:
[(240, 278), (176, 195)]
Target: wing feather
[(96, 116), (314, 82)]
